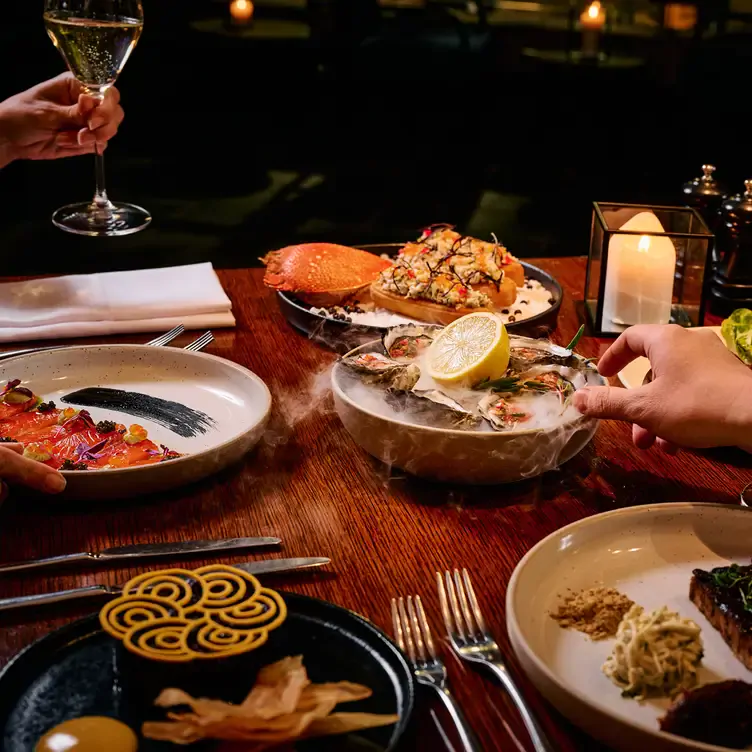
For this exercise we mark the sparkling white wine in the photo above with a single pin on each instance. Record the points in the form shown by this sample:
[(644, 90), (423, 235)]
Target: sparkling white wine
[(95, 50)]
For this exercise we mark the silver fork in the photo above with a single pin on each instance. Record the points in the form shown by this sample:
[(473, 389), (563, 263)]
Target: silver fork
[(473, 642), (160, 341), (203, 341), (414, 638), (165, 339)]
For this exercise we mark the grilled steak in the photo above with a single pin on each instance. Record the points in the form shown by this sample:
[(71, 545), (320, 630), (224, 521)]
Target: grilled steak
[(716, 713), (724, 595)]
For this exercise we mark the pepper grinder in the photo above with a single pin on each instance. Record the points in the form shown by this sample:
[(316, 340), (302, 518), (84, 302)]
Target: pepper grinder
[(706, 195), (731, 285)]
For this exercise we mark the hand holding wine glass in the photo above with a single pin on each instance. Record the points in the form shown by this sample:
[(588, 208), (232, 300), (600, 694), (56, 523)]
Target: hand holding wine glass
[(96, 38), (56, 119)]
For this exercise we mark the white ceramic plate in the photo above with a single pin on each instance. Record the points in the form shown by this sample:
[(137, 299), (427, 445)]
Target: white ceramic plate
[(634, 374), (648, 553), (237, 401)]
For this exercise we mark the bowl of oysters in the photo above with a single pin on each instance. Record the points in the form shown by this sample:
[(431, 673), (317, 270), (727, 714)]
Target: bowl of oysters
[(466, 403)]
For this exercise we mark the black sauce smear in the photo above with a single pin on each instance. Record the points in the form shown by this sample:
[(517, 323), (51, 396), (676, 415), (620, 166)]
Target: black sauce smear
[(184, 421)]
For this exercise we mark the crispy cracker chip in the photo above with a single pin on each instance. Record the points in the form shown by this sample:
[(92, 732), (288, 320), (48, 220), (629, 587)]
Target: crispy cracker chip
[(283, 706)]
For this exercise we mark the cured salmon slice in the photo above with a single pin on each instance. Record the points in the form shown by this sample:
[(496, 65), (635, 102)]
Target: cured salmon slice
[(70, 439), (322, 274)]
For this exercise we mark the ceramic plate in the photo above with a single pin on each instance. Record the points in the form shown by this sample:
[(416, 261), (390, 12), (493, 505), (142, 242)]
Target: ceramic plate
[(634, 374), (648, 553), (235, 402), (476, 457), (79, 670)]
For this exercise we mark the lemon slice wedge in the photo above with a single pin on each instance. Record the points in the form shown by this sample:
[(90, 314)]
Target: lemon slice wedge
[(470, 350)]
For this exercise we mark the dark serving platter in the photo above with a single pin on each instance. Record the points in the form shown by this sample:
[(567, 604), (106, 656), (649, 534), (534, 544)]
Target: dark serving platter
[(79, 670), (343, 336)]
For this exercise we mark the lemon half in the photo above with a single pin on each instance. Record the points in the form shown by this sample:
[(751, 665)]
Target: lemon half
[(470, 350)]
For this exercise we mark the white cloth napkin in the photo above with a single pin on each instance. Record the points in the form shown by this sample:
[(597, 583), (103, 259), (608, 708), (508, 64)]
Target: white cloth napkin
[(85, 305)]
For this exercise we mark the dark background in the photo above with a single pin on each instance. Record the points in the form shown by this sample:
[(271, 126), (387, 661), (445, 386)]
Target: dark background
[(355, 122)]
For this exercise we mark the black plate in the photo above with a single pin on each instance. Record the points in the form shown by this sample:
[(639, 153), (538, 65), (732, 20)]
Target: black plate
[(78, 671), (343, 337)]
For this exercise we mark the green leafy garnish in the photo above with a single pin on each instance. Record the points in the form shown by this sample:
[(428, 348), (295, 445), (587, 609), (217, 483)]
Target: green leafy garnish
[(732, 577), (577, 338), (737, 334)]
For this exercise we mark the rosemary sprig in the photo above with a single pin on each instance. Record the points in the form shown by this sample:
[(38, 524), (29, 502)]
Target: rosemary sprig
[(577, 338), (504, 384)]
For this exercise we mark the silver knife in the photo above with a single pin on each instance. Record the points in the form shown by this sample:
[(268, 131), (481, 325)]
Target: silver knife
[(266, 566), (142, 551)]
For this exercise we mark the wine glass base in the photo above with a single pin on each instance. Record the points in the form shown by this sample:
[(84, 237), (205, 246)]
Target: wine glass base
[(113, 219)]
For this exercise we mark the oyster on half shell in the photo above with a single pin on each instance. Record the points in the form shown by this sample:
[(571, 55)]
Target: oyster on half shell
[(380, 369), (408, 341), (525, 353), (434, 406), (502, 411)]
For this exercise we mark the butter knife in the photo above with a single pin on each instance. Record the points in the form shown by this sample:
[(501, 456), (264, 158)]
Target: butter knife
[(266, 566), (141, 551)]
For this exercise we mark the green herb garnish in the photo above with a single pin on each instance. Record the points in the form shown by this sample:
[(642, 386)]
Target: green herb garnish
[(504, 384), (732, 577), (577, 338)]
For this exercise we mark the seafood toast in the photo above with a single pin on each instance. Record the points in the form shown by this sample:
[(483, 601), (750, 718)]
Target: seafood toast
[(444, 276), (723, 597), (421, 310), (322, 274)]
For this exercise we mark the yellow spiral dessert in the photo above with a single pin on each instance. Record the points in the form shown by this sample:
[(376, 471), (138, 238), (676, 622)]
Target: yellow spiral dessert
[(179, 615)]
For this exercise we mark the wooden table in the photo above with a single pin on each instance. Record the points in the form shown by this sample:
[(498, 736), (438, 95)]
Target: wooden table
[(387, 534)]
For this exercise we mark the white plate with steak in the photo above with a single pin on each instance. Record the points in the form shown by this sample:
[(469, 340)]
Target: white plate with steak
[(650, 554)]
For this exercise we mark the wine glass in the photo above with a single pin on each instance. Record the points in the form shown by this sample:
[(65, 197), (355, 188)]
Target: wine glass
[(96, 38)]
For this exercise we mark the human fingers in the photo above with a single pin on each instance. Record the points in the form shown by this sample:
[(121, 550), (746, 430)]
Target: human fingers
[(17, 448), (667, 447), (642, 438), (611, 402), (102, 134), (633, 343), (19, 469)]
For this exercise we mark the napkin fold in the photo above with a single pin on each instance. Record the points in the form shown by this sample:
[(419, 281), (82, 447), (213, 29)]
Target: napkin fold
[(85, 305)]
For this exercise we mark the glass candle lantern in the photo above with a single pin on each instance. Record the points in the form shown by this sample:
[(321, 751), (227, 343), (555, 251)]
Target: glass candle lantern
[(647, 265)]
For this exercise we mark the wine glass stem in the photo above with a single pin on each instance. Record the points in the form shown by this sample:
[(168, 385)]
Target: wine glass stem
[(100, 197)]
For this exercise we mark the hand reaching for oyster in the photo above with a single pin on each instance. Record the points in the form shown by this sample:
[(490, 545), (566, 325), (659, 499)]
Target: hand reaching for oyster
[(700, 395)]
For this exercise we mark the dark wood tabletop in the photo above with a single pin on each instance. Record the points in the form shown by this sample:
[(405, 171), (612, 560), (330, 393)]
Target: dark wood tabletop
[(387, 534)]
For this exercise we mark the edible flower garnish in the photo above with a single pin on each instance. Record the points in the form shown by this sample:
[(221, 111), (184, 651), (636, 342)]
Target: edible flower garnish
[(136, 434), (86, 452)]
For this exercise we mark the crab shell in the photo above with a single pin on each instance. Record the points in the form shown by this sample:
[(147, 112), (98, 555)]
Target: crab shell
[(322, 274)]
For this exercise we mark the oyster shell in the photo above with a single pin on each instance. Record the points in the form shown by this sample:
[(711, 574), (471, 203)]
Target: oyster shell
[(434, 407), (376, 368), (408, 341), (371, 364), (525, 353), (404, 379), (502, 411)]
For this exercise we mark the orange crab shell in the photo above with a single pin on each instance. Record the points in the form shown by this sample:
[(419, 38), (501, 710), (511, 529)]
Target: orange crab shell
[(322, 274)]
